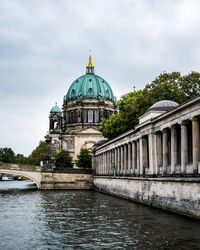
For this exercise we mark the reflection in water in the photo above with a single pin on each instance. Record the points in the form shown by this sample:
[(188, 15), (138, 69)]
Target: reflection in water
[(33, 219)]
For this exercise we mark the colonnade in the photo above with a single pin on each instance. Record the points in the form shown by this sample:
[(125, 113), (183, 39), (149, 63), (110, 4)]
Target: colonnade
[(172, 150)]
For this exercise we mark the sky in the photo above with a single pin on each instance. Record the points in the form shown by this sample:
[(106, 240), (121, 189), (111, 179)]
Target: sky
[(44, 47)]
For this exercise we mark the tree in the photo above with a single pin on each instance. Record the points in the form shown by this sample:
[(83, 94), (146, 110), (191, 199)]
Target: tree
[(84, 159), (64, 159), (167, 86), (38, 154), (7, 155), (20, 159)]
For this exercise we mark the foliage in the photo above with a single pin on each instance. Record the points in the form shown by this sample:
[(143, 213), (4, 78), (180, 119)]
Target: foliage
[(64, 159), (7, 155), (20, 159), (37, 155), (84, 159), (167, 86)]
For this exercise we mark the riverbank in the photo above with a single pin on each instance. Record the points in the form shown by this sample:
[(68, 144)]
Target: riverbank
[(179, 195)]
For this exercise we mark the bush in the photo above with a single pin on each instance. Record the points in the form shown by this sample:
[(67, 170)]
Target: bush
[(84, 159), (64, 159)]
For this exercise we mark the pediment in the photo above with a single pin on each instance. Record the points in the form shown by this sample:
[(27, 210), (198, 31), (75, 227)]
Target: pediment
[(89, 131)]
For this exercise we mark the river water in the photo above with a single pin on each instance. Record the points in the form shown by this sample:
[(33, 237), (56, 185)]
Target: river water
[(34, 219)]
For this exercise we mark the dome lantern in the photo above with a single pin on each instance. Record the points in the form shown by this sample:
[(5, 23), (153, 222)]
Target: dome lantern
[(90, 67)]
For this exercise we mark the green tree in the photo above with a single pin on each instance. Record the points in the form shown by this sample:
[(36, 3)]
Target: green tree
[(84, 159), (167, 86), (38, 154), (20, 159), (7, 155), (190, 85), (64, 159)]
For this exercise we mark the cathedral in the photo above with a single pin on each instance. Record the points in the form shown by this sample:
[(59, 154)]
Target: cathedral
[(89, 99)]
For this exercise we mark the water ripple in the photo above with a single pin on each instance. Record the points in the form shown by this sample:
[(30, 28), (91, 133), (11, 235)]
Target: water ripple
[(33, 219)]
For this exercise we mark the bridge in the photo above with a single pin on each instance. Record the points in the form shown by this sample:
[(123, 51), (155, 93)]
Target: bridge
[(72, 178), (31, 172)]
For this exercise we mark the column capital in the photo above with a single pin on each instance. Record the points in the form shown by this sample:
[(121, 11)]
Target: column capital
[(194, 118), (173, 126), (164, 130), (183, 123)]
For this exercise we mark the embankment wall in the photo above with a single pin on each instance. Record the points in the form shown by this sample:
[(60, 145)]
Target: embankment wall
[(180, 195)]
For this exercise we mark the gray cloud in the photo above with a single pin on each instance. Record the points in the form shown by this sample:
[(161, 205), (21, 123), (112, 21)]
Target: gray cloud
[(44, 47)]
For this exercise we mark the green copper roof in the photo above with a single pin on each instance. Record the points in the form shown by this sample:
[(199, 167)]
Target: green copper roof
[(55, 109), (90, 86)]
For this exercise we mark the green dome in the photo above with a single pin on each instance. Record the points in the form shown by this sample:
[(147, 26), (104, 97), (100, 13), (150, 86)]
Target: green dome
[(90, 86), (55, 109)]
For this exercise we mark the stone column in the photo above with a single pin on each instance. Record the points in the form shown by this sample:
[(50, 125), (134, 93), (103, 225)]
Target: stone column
[(184, 147), (138, 157), (165, 151), (110, 162), (115, 169), (195, 143), (134, 157), (174, 148), (141, 157), (122, 160), (118, 160), (145, 155), (98, 164), (125, 159), (159, 149), (129, 158), (107, 163), (151, 154), (101, 165), (104, 164)]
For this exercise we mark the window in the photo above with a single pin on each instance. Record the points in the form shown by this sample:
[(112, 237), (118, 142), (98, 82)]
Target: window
[(69, 145), (85, 116), (90, 116), (95, 115)]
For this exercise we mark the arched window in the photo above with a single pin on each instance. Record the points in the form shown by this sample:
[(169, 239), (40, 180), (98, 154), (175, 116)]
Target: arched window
[(55, 125)]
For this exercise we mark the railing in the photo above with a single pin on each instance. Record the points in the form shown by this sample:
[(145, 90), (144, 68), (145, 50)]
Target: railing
[(73, 170), (19, 167)]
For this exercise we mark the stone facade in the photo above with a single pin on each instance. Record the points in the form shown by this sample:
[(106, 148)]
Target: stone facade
[(166, 143), (89, 100), (52, 180)]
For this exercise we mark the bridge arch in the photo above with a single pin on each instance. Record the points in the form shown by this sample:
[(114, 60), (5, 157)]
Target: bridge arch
[(34, 176)]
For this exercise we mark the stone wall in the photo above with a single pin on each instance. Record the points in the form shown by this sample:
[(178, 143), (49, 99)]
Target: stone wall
[(180, 195), (51, 180)]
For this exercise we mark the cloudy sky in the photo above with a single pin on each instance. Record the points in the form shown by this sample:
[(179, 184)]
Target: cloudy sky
[(44, 47)]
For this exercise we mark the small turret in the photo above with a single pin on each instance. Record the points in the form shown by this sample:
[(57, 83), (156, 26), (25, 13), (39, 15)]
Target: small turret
[(55, 119)]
